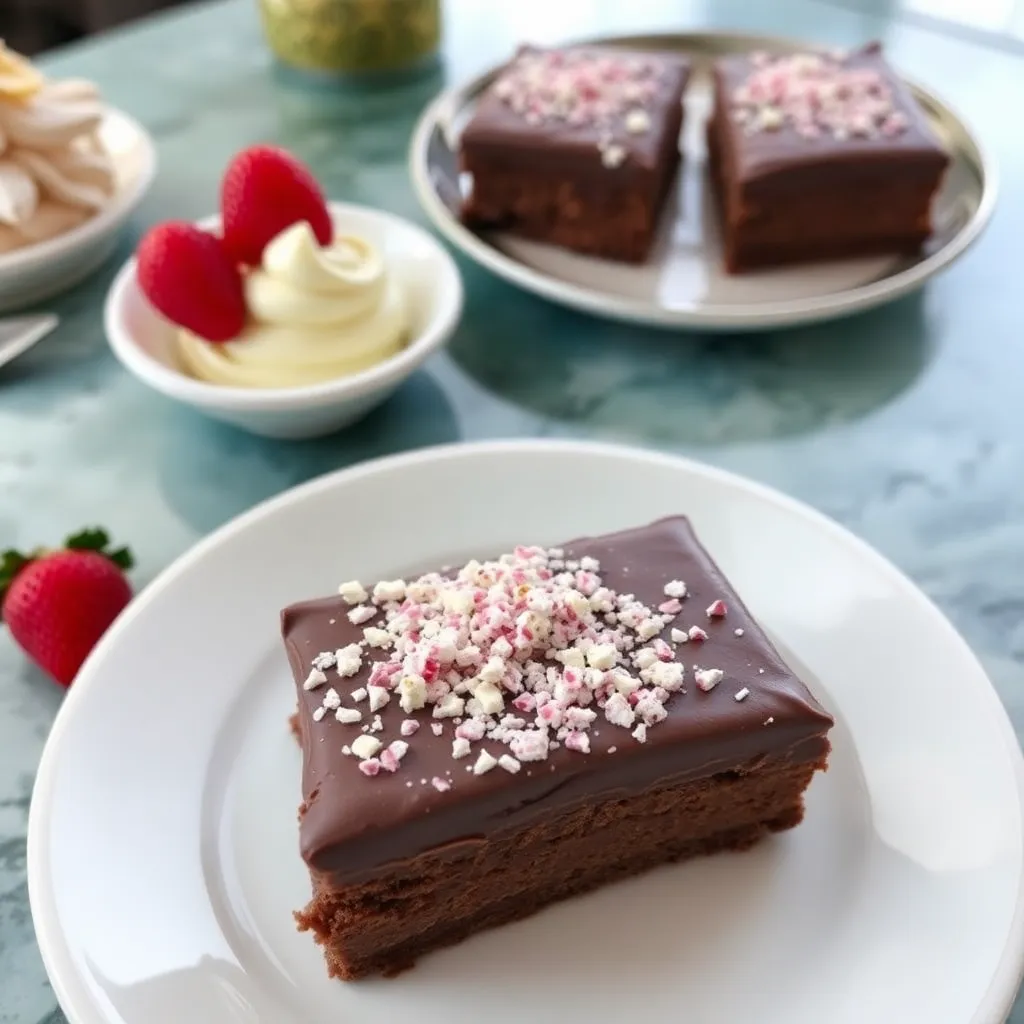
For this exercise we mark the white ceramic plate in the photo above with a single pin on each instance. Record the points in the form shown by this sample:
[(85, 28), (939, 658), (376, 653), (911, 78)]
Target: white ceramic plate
[(683, 284), (163, 863), (40, 271)]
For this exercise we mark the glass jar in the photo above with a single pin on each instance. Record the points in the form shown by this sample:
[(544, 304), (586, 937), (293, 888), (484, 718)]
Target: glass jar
[(352, 37)]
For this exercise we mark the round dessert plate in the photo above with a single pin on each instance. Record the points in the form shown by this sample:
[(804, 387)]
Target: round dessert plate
[(48, 268), (163, 851), (683, 283)]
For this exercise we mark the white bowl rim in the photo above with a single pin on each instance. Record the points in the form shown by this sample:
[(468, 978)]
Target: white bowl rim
[(231, 398), (114, 213)]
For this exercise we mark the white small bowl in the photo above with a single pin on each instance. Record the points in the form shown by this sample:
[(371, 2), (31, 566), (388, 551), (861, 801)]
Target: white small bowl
[(45, 269), (144, 341)]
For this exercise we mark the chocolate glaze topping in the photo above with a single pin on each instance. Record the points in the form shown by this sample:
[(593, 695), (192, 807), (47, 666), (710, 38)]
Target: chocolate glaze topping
[(353, 825), (497, 128), (763, 154)]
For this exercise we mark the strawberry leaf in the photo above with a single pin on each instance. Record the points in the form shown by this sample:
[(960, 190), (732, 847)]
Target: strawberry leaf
[(11, 563), (122, 558), (94, 539), (98, 540)]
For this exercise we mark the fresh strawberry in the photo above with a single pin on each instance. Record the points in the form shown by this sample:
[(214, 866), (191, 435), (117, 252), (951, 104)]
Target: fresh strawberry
[(188, 275), (264, 191), (57, 604)]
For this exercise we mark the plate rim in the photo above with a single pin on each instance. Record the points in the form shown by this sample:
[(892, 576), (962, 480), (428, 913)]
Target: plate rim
[(58, 959), (721, 317)]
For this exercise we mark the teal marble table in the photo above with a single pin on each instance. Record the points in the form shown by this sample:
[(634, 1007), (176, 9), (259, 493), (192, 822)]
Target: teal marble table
[(905, 424)]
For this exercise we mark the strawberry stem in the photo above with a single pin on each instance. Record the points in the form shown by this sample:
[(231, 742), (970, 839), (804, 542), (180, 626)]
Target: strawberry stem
[(93, 539)]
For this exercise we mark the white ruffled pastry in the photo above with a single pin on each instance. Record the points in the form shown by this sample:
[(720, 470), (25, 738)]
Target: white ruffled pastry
[(54, 171)]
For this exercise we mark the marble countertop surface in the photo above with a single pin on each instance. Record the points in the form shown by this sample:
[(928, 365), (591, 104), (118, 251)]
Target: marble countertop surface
[(905, 424)]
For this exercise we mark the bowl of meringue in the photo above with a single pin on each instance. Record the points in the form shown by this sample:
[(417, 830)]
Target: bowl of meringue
[(297, 333), (72, 171)]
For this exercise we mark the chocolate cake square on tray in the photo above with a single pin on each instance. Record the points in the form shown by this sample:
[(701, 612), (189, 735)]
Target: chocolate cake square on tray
[(596, 710), (819, 156), (577, 147)]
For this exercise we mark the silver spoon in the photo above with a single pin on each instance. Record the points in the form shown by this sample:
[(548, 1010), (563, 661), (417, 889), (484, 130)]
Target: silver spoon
[(18, 335)]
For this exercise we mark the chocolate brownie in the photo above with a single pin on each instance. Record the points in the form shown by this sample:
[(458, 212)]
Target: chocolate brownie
[(598, 709), (819, 156), (578, 147)]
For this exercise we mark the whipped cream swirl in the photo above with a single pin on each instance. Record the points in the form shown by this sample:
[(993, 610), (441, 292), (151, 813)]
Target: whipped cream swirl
[(316, 313)]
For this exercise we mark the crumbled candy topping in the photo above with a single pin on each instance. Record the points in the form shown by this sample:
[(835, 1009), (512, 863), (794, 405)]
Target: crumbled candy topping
[(366, 746), (348, 660), (583, 88), (392, 756), (707, 678), (637, 121), (612, 154), (817, 95), (511, 659), (361, 613), (314, 679), (352, 592)]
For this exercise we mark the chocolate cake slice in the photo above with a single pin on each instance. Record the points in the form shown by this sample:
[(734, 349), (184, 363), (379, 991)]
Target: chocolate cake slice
[(818, 156), (599, 709), (577, 146)]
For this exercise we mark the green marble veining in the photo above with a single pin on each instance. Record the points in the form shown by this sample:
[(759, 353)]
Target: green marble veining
[(905, 424)]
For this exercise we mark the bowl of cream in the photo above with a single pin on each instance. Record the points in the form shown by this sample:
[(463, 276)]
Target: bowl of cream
[(332, 330)]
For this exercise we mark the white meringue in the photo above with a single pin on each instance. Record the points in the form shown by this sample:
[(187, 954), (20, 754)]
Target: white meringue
[(69, 90), (54, 170), (63, 179), (47, 122), (19, 194), (49, 220)]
